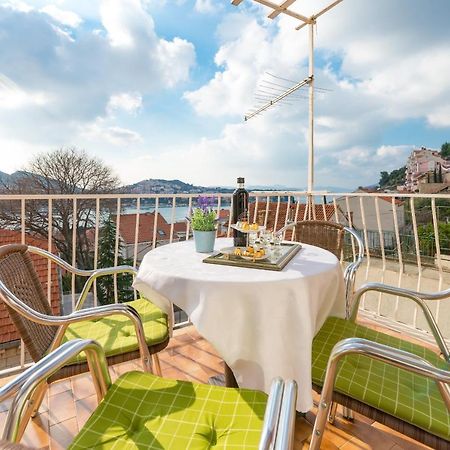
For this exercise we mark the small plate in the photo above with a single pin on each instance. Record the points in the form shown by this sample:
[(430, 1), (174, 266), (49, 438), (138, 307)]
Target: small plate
[(260, 228), (253, 258)]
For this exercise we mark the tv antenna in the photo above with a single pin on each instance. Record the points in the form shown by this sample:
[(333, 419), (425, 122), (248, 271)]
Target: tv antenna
[(284, 8)]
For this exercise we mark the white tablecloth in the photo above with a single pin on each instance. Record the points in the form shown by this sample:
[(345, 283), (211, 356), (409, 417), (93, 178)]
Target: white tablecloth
[(261, 322)]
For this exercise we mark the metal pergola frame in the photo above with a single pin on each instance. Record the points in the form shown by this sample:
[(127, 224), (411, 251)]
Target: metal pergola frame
[(284, 8)]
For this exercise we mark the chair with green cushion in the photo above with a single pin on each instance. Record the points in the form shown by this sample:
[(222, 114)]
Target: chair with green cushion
[(400, 384), (141, 410), (126, 331)]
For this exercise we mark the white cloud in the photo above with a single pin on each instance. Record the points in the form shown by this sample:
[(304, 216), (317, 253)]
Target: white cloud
[(129, 102), (13, 97), (440, 117), (207, 6), (60, 83), (64, 17), (98, 131)]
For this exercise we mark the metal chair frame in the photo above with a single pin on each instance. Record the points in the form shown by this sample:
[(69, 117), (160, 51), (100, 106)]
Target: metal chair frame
[(279, 418), (149, 361), (399, 358), (351, 268)]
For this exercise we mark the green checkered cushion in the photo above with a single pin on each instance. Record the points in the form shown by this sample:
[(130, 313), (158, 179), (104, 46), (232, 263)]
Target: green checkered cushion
[(142, 410), (116, 334), (409, 397)]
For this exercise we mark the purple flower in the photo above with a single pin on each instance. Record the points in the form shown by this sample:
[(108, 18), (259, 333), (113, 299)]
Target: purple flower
[(205, 203)]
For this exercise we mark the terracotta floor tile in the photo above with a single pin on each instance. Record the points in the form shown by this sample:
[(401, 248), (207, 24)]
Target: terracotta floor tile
[(399, 439), (82, 386), (62, 407), (59, 386), (37, 432), (62, 434), (84, 409), (3, 415), (4, 406)]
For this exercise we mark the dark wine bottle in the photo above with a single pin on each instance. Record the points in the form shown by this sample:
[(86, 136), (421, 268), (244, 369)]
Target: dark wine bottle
[(240, 212)]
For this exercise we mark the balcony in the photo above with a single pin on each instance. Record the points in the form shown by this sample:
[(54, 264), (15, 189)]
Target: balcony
[(398, 252)]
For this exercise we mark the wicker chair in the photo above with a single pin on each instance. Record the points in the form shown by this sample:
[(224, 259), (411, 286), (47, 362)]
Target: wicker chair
[(141, 410), (132, 330), (402, 385), (330, 236)]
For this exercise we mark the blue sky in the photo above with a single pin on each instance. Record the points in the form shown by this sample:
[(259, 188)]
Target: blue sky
[(158, 88)]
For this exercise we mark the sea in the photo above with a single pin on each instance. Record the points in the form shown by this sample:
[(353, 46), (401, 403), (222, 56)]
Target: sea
[(181, 212)]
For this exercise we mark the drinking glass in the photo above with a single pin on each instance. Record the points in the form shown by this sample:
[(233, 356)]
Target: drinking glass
[(265, 238), (277, 237), (252, 239)]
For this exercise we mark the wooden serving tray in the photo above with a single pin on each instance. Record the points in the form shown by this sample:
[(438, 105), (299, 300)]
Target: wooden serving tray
[(287, 252)]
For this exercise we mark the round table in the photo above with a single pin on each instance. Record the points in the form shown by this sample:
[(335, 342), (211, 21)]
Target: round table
[(261, 322)]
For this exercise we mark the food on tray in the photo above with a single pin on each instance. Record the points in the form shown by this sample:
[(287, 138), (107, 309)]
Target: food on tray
[(250, 249), (254, 227), (238, 251)]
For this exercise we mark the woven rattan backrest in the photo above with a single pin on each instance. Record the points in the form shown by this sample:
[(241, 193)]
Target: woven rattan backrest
[(327, 235), (18, 275)]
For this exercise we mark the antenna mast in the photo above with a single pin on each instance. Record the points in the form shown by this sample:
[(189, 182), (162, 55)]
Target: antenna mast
[(284, 8)]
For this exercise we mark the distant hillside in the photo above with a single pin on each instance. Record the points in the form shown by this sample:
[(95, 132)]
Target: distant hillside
[(158, 186)]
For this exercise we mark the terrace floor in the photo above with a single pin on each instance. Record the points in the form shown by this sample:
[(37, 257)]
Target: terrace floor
[(188, 357)]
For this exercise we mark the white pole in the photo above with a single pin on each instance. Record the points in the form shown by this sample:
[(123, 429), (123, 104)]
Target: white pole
[(311, 110)]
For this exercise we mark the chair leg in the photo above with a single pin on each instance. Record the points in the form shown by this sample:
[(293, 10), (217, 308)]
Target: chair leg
[(31, 409), (332, 413), (37, 398), (347, 413), (156, 365)]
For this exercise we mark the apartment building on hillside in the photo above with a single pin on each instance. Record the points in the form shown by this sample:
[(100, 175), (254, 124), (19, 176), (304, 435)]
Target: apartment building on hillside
[(427, 172)]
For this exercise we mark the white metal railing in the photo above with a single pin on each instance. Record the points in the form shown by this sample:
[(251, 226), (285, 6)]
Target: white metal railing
[(385, 215)]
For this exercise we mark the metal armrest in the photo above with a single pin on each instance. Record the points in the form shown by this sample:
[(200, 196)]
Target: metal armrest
[(350, 270), (288, 414), (272, 414), (418, 298), (92, 274), (101, 273), (26, 383), (279, 418), (78, 316), (389, 355), (60, 262)]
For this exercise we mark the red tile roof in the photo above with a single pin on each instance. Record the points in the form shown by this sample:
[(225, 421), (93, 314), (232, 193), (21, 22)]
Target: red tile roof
[(8, 331), (146, 223)]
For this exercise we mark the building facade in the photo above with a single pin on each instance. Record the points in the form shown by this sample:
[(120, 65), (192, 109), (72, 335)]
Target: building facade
[(427, 171)]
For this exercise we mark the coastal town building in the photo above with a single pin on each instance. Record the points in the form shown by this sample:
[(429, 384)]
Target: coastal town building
[(427, 172)]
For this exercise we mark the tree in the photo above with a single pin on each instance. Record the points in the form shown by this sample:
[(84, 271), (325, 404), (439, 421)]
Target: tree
[(445, 150), (393, 179), (106, 252), (59, 172), (427, 238)]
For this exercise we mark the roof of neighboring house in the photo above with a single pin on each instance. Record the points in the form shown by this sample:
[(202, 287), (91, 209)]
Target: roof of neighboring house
[(127, 227), (8, 331)]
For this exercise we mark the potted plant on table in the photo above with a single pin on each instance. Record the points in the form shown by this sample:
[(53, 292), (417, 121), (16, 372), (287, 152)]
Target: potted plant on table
[(203, 222)]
